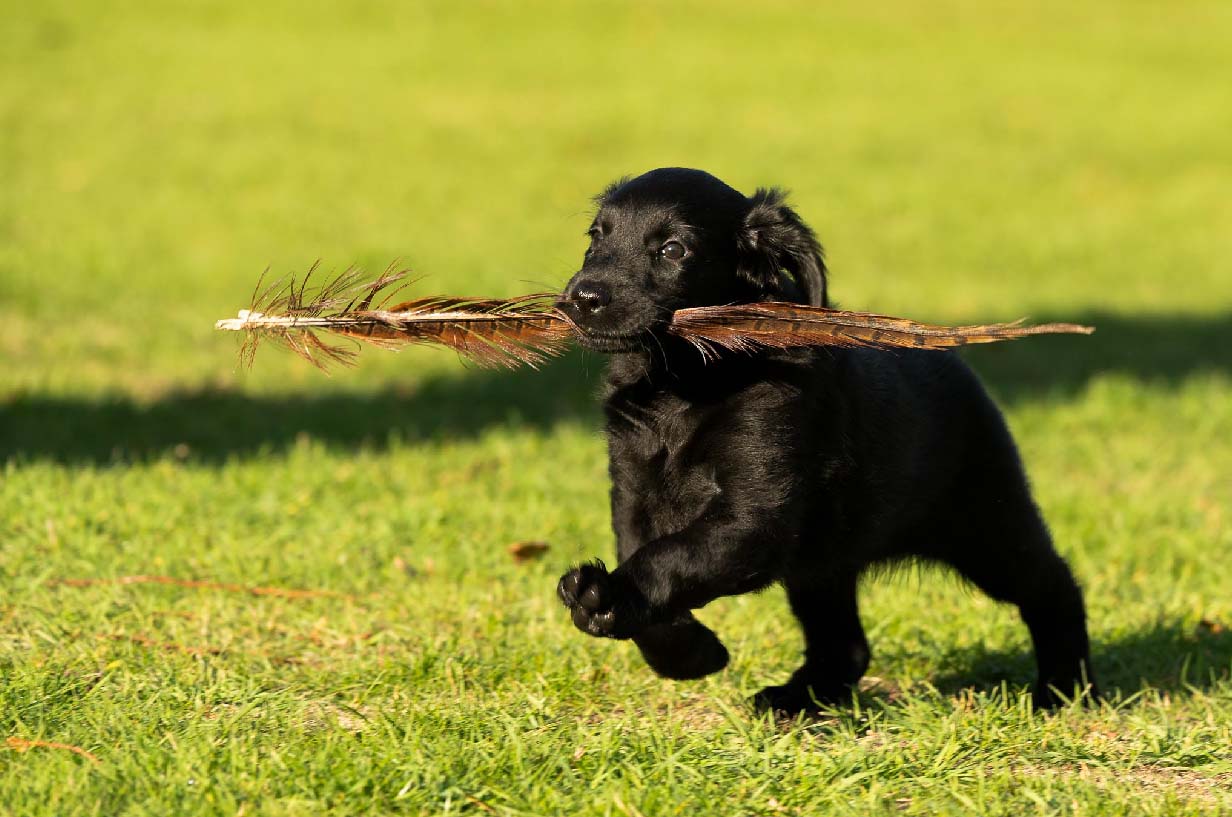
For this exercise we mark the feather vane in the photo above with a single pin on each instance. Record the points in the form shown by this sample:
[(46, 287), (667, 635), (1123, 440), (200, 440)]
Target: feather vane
[(529, 329), (519, 331), (748, 327)]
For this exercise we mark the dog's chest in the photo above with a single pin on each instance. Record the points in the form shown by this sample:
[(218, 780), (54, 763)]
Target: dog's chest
[(663, 474)]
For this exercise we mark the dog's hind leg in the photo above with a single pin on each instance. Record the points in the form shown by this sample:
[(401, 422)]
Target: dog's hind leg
[(682, 649), (1009, 555), (836, 652)]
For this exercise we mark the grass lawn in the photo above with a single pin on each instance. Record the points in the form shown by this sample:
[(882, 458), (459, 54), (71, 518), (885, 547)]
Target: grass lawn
[(962, 161)]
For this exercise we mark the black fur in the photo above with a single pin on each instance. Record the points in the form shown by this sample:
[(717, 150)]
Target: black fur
[(805, 467)]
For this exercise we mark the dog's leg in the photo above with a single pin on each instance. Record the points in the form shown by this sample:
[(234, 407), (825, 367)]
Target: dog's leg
[(675, 645), (1019, 565), (682, 649), (664, 579), (835, 650)]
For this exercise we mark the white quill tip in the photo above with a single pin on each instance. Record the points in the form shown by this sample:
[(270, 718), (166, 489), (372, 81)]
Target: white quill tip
[(239, 322)]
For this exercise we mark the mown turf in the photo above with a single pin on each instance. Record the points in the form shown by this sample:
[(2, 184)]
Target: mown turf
[(962, 162)]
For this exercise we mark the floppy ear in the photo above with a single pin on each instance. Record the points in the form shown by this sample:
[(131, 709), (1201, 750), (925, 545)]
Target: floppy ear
[(773, 238)]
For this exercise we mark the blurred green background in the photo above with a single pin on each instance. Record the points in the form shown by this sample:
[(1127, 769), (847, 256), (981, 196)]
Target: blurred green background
[(961, 161)]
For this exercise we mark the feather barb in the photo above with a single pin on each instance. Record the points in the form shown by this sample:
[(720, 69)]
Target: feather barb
[(748, 327), (530, 329), (519, 331)]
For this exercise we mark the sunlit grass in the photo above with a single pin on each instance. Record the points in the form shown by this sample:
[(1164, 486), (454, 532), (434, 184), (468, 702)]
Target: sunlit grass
[(961, 163)]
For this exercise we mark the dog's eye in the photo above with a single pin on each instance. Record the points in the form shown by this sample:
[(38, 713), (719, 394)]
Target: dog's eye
[(673, 251)]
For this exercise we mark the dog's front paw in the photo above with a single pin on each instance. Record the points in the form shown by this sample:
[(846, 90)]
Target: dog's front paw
[(602, 605)]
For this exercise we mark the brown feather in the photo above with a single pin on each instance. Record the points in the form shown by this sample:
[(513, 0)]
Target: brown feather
[(747, 327), (525, 330), (529, 329)]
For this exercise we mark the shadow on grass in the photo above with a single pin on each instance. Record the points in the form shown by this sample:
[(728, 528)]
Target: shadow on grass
[(1169, 656), (1155, 349), (210, 426), (214, 425)]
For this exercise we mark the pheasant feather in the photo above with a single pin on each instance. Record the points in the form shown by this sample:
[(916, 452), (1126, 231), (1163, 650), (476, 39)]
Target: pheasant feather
[(748, 327), (529, 329), (519, 331)]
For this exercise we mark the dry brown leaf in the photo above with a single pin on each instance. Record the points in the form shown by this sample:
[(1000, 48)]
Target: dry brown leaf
[(528, 551)]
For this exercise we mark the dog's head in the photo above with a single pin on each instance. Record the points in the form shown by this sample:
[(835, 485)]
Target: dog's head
[(675, 238)]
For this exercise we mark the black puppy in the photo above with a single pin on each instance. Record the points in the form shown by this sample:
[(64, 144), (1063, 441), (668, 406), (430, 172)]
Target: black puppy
[(805, 467)]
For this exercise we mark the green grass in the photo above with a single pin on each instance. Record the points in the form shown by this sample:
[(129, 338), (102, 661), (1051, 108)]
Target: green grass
[(962, 162)]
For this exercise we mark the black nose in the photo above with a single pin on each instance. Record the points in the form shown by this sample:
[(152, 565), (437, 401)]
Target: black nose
[(588, 297)]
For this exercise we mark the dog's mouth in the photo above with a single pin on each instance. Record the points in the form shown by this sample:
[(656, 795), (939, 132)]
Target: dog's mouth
[(610, 342), (601, 337)]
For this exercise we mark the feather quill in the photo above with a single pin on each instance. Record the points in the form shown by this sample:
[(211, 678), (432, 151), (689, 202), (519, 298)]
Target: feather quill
[(527, 330)]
